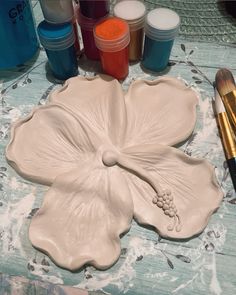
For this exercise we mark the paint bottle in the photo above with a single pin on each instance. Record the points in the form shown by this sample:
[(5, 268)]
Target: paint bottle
[(134, 13), (87, 25), (58, 41), (18, 37), (94, 8), (76, 29), (112, 39), (161, 28), (76, 32), (57, 11)]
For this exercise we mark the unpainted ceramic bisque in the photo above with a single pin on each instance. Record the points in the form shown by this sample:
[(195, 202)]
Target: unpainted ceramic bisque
[(107, 158)]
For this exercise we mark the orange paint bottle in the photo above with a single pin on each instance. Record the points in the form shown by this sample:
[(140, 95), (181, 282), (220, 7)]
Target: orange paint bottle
[(112, 39)]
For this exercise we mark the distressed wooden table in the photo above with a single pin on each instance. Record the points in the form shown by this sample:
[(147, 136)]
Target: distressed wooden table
[(205, 264)]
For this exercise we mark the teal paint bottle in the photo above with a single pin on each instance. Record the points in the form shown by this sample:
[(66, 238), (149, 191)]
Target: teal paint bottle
[(18, 37), (58, 41), (161, 28)]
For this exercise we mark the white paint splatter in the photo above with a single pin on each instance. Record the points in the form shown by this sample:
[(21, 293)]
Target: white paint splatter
[(16, 287), (207, 134), (213, 239), (122, 279), (4, 129), (15, 184), (158, 275), (14, 115), (184, 285), (38, 271), (12, 220), (214, 285)]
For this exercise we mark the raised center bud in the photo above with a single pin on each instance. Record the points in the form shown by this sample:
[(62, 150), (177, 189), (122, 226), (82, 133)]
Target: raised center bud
[(109, 158)]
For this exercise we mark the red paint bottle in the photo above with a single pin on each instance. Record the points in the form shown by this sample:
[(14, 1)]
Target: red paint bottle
[(112, 39), (87, 25), (94, 8)]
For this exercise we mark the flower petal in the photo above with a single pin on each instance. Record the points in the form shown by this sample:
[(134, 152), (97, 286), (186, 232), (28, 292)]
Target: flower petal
[(50, 141), (100, 101), (160, 112), (82, 217), (192, 182)]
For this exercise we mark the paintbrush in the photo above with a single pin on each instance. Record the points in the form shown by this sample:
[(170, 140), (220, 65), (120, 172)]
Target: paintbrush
[(227, 136), (226, 87)]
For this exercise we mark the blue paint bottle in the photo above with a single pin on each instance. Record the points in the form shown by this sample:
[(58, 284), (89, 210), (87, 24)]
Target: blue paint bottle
[(161, 28), (58, 41), (18, 37)]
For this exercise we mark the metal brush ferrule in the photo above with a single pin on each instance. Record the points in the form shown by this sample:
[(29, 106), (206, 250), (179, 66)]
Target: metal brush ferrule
[(229, 101), (227, 135)]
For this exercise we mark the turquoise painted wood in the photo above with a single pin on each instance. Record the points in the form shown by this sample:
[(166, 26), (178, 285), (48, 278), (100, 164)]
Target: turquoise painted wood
[(148, 265)]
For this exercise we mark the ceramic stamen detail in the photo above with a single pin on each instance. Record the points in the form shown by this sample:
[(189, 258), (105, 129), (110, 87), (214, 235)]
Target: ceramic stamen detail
[(166, 203), (163, 198)]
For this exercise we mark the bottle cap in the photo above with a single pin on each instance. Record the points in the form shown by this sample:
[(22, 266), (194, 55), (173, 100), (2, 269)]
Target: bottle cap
[(87, 23), (94, 8), (57, 11), (131, 11), (162, 24), (56, 37), (111, 34)]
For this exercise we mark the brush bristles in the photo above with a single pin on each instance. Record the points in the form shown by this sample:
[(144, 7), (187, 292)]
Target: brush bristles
[(224, 81)]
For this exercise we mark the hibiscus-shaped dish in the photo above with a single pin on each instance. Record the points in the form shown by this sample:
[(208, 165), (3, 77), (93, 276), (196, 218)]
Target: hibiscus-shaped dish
[(107, 157)]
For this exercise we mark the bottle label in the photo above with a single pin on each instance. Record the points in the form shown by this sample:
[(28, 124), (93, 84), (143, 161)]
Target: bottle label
[(16, 13)]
